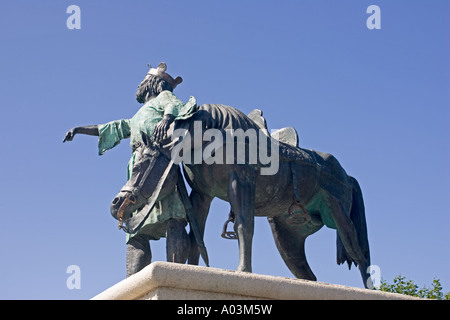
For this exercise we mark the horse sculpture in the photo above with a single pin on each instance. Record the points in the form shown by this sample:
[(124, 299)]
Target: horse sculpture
[(310, 189)]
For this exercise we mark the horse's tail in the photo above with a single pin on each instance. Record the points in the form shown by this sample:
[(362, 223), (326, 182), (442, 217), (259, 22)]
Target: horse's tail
[(358, 217)]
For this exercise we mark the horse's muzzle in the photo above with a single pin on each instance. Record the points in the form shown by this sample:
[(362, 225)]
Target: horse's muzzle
[(119, 204), (129, 199)]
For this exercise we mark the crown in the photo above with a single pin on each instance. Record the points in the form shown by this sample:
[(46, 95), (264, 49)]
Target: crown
[(160, 72)]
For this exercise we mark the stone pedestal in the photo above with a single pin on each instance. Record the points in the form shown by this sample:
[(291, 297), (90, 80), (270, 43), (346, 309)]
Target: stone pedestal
[(171, 281)]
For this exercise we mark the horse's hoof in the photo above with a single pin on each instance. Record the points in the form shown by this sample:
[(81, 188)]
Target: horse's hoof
[(242, 269)]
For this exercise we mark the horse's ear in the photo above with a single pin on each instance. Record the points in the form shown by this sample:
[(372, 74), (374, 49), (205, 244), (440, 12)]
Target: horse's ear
[(145, 139)]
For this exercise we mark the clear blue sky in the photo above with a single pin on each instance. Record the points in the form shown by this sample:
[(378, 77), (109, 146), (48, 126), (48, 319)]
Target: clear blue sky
[(376, 99)]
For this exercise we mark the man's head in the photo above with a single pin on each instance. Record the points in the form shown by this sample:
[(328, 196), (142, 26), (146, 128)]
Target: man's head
[(155, 82)]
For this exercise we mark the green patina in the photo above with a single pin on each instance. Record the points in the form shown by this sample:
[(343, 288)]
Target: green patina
[(320, 205), (145, 120)]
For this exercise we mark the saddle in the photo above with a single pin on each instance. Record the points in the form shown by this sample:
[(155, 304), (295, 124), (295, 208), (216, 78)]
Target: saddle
[(286, 135)]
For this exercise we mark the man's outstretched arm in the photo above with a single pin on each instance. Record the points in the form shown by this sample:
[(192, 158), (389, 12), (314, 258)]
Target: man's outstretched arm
[(89, 130)]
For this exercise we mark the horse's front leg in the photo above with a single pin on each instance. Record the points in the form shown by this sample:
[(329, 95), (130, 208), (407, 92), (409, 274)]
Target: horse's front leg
[(177, 241), (200, 207), (241, 195)]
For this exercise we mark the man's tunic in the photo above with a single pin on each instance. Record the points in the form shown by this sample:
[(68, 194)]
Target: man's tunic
[(145, 120)]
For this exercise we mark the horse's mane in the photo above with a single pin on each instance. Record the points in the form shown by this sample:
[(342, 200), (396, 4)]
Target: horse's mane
[(224, 117), (220, 116)]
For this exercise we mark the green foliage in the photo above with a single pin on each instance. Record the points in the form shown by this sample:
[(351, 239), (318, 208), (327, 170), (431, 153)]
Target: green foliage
[(403, 286)]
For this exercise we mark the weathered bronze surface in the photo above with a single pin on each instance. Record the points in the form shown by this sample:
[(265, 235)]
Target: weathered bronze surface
[(308, 190)]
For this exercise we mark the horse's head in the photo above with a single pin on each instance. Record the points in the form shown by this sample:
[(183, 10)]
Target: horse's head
[(150, 164)]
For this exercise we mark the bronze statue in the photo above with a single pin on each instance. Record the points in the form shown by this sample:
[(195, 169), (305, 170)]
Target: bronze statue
[(234, 159)]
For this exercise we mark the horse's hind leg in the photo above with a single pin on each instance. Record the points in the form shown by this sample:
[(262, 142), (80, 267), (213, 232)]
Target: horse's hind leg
[(241, 195), (348, 236), (290, 242)]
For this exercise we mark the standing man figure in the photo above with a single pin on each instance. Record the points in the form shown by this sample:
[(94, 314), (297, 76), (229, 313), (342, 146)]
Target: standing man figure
[(168, 216)]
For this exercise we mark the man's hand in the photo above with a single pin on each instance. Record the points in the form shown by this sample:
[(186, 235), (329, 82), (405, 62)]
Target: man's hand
[(70, 134), (89, 130), (162, 127)]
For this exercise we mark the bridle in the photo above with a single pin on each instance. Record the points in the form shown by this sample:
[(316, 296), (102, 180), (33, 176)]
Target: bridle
[(132, 192)]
